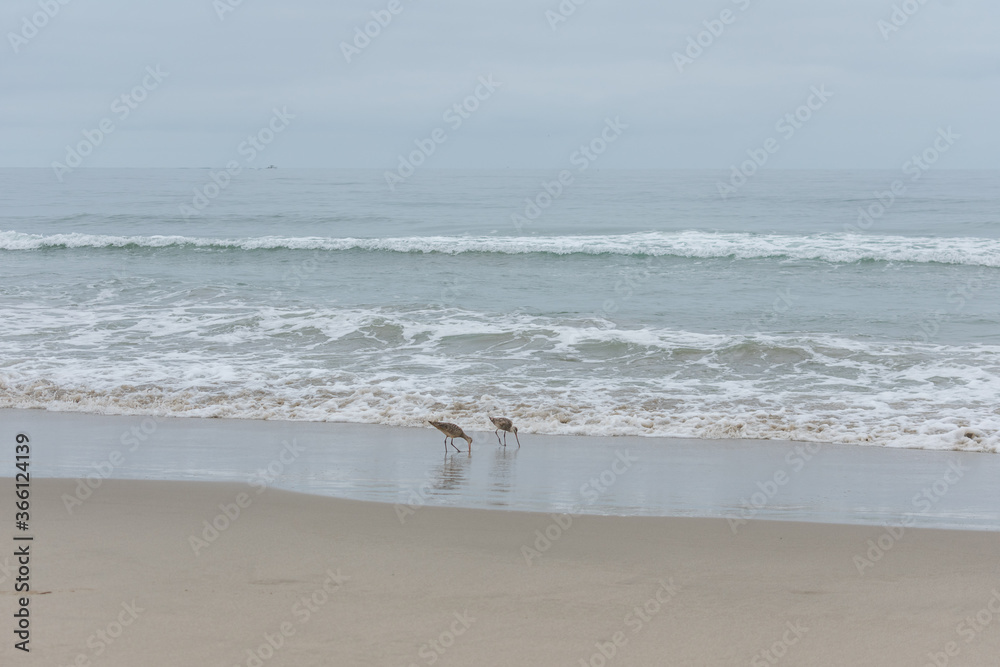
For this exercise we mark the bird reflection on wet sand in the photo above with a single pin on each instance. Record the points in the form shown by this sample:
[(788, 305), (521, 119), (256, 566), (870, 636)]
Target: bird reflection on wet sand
[(502, 475), (452, 473)]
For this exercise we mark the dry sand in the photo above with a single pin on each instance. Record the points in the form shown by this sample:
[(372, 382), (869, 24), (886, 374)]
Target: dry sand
[(118, 583)]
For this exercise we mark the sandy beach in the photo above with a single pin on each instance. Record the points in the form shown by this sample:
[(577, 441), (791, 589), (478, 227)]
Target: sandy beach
[(727, 276), (135, 576)]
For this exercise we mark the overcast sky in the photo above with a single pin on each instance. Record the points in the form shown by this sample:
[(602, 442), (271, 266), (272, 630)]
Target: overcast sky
[(891, 89)]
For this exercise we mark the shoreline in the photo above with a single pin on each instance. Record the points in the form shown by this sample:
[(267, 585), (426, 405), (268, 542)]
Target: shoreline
[(974, 435), (625, 475), (333, 581)]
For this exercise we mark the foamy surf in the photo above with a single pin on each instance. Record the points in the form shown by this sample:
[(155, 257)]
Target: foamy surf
[(552, 375), (605, 415)]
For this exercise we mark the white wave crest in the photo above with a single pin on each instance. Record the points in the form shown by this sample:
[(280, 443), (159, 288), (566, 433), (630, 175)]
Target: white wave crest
[(837, 248)]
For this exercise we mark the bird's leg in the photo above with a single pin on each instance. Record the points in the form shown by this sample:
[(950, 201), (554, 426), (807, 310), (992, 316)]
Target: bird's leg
[(505, 438), (453, 445), (446, 443), (497, 434)]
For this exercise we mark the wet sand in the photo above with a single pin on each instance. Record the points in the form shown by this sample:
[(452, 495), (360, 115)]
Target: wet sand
[(738, 479)]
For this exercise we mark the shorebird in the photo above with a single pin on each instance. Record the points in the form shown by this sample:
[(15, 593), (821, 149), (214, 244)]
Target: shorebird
[(505, 425), (451, 431)]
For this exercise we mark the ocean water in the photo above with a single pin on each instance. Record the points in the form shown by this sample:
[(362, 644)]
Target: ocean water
[(630, 303)]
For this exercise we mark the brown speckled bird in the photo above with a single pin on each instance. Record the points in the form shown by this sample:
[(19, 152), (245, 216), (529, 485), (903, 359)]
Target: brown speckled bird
[(505, 425), (451, 431)]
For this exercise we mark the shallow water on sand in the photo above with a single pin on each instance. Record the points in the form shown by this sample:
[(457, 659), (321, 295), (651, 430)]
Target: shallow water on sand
[(627, 476)]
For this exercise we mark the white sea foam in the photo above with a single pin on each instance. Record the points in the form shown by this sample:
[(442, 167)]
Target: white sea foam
[(559, 376), (835, 248)]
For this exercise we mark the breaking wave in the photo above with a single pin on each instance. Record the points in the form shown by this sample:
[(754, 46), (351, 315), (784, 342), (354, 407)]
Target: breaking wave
[(553, 375), (835, 248)]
